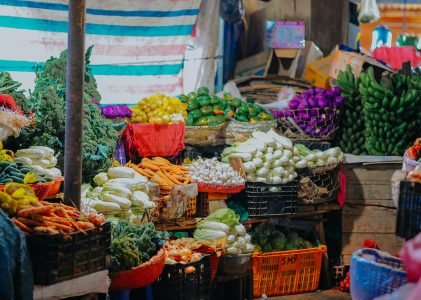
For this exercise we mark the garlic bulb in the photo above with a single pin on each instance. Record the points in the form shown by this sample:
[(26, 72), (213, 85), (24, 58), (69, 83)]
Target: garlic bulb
[(211, 171)]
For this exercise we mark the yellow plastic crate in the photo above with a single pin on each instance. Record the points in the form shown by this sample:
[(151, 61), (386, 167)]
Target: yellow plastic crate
[(317, 72)]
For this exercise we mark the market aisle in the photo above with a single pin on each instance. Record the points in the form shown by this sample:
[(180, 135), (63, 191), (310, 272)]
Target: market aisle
[(323, 295)]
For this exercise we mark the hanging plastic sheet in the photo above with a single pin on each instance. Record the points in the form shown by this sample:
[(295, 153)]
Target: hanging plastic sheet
[(369, 11), (16, 281), (232, 10)]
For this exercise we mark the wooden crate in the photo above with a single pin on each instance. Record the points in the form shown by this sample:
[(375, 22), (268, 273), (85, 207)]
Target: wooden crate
[(369, 212)]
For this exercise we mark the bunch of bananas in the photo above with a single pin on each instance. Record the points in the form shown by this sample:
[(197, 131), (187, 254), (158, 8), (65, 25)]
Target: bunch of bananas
[(16, 195), (159, 109), (351, 136), (391, 111)]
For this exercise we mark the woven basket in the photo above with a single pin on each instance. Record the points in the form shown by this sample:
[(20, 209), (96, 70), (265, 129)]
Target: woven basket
[(42, 190), (236, 131), (140, 276), (204, 135), (55, 188)]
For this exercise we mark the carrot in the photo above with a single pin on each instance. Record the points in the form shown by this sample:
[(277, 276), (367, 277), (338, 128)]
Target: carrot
[(147, 165), (149, 172), (140, 171), (74, 224), (165, 176), (85, 225), (159, 180), (22, 226), (29, 222), (58, 226), (172, 170), (58, 220), (35, 210), (163, 160), (173, 179), (45, 229)]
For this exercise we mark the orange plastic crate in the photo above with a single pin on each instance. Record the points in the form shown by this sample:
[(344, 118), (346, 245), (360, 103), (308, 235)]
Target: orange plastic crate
[(286, 272)]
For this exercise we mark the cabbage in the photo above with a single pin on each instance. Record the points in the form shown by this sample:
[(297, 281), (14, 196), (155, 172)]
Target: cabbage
[(249, 248), (240, 229), (226, 216), (208, 234), (231, 239), (232, 250), (206, 224), (249, 166), (101, 178)]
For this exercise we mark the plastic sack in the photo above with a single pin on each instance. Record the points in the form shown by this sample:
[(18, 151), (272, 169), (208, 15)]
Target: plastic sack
[(232, 10), (16, 281), (120, 154), (284, 96), (146, 140), (411, 256), (409, 164), (396, 56), (369, 11)]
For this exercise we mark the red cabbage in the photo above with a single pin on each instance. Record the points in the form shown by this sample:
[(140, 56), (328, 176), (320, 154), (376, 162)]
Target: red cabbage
[(277, 113), (302, 115), (314, 112), (303, 104), (322, 102), (289, 113), (312, 122), (319, 90), (338, 101), (312, 102), (337, 91)]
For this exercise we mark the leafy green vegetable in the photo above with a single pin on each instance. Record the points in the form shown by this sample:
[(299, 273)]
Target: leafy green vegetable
[(132, 245), (226, 216), (47, 103)]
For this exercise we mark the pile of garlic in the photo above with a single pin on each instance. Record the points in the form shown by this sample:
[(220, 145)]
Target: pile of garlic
[(211, 171)]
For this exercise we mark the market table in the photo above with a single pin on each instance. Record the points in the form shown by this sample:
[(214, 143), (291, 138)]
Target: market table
[(94, 283)]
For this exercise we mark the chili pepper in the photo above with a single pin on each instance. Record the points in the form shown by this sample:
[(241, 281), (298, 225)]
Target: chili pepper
[(412, 153)]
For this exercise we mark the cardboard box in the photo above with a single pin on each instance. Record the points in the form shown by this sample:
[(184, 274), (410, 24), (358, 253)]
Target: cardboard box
[(357, 62)]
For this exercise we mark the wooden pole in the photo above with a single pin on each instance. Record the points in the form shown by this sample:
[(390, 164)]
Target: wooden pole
[(74, 102)]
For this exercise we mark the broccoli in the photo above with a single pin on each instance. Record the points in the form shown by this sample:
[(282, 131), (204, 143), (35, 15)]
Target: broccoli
[(267, 248), (124, 254)]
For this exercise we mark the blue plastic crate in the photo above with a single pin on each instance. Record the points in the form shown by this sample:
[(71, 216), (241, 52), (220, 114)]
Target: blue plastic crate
[(375, 273)]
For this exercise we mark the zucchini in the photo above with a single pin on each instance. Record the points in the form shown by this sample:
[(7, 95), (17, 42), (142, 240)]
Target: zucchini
[(16, 179)]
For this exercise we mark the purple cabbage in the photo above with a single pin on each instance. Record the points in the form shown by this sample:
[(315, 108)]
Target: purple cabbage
[(338, 101), (312, 102), (116, 111), (289, 113), (322, 102), (303, 104), (314, 112), (293, 104), (319, 90), (337, 91)]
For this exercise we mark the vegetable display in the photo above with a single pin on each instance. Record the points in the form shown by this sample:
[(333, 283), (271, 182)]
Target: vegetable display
[(48, 102), (205, 110), (351, 133), (317, 158), (40, 159), (159, 109), (414, 152), (16, 196), (248, 111), (17, 172), (132, 245), (180, 251), (53, 218), (267, 157), (391, 111), (312, 114), (213, 172), (121, 192), (221, 224), (267, 238), (162, 172)]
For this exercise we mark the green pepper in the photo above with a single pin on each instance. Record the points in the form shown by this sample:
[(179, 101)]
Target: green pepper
[(241, 118), (220, 119), (183, 98), (212, 121), (250, 101), (254, 120), (214, 100), (203, 90), (196, 114), (236, 102), (258, 108), (227, 96), (192, 104), (243, 109), (223, 104), (252, 111), (203, 100), (217, 110), (264, 116), (201, 122), (228, 113), (192, 96), (190, 120), (207, 110)]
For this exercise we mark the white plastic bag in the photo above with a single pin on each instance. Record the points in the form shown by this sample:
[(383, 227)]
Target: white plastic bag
[(369, 11)]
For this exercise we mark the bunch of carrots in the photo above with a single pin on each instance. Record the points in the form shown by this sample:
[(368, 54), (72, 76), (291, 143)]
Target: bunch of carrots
[(52, 218), (162, 172)]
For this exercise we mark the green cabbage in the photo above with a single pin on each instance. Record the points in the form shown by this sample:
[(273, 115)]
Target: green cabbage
[(226, 216)]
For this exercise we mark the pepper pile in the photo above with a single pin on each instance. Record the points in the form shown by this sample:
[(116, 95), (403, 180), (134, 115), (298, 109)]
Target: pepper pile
[(205, 110), (414, 152), (351, 136), (391, 111)]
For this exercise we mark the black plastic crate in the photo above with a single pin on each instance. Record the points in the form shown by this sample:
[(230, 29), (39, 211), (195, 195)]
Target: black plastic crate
[(175, 283), (408, 221), (202, 205), (266, 200), (61, 257)]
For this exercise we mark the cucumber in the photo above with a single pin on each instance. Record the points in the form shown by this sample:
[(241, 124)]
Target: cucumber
[(25, 170), (4, 164), (16, 179), (17, 174)]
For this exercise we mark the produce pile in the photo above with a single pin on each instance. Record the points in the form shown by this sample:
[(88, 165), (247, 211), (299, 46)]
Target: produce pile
[(159, 109), (12, 118), (132, 245), (312, 114), (391, 111), (267, 238), (414, 152), (121, 192), (53, 218), (213, 172), (16, 196), (162, 172), (204, 109), (40, 159), (180, 251), (351, 133), (17, 172), (317, 158), (267, 157), (47, 103), (225, 223)]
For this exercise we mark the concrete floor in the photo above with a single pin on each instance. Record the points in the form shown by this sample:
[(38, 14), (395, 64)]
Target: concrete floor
[(322, 295)]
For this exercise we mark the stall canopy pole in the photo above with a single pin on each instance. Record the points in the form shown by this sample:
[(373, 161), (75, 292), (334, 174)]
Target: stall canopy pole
[(74, 102)]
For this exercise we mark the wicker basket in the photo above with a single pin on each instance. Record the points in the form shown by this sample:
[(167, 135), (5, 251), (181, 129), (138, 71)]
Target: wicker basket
[(240, 131), (204, 135)]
